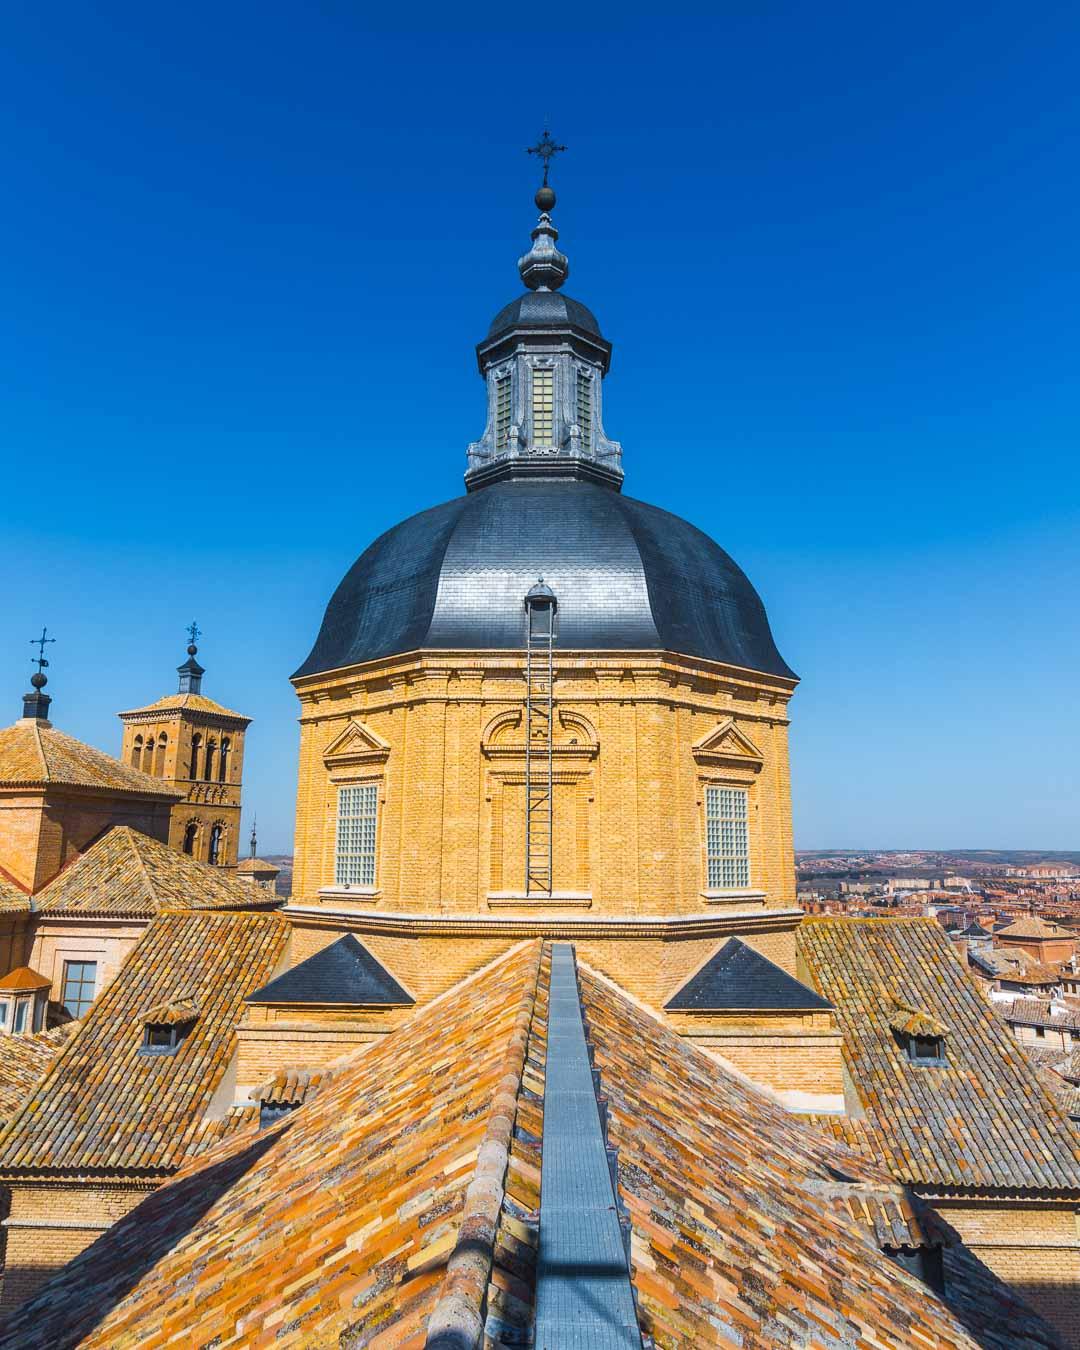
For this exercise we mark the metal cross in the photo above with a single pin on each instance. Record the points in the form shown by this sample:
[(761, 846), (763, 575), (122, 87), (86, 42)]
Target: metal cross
[(193, 631), (40, 643), (547, 150)]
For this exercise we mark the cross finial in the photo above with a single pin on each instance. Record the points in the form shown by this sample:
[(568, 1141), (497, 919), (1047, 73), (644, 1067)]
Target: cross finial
[(40, 644), (547, 150), (194, 632), (254, 840)]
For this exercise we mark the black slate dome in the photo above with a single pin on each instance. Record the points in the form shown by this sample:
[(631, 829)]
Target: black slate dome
[(544, 309), (628, 577)]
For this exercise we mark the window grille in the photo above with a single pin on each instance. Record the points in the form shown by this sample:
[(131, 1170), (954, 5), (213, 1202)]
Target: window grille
[(543, 407), (80, 977), (502, 412), (584, 407), (727, 841), (357, 808)]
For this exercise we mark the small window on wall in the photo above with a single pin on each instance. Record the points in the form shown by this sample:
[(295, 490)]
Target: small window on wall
[(191, 831), (214, 854), (584, 407), (22, 1006), (161, 1038), (136, 752), (355, 861), (80, 979), (543, 407), (502, 411), (727, 838)]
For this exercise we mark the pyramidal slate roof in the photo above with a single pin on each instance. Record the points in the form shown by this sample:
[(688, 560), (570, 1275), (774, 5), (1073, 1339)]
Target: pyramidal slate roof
[(344, 974), (738, 977)]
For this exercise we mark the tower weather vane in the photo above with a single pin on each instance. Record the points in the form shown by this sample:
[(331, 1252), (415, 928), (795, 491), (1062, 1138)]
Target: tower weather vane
[(40, 644), (547, 150), (194, 632)]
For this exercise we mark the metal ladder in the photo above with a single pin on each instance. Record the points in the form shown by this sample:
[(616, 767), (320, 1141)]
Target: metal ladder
[(540, 610)]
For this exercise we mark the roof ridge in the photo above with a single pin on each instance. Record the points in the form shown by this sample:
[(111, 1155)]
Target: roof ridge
[(458, 1309), (35, 731), (141, 864)]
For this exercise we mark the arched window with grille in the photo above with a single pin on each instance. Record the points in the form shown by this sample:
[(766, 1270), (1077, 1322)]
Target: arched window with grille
[(148, 755), (136, 752), (223, 759), (214, 856), (191, 833), (159, 755), (208, 767), (196, 743)]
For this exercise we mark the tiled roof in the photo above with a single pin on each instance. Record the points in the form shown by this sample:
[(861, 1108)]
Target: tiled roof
[(912, 1021), (748, 1227), (345, 974), (374, 1215), (1039, 1012), (127, 874), (12, 898), (192, 702), (33, 755), (738, 977), (22, 980), (335, 1225), (981, 1119), (23, 1063), (1033, 973), (104, 1105), (248, 865), (1035, 927)]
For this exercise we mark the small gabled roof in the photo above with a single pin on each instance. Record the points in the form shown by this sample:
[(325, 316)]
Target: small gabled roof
[(1034, 927), (974, 930), (345, 974), (35, 754), (23, 980), (126, 874), (737, 977)]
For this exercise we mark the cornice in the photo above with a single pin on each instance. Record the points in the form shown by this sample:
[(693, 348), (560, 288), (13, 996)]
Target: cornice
[(674, 927)]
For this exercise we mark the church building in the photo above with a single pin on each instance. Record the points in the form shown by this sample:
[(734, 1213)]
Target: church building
[(541, 1050)]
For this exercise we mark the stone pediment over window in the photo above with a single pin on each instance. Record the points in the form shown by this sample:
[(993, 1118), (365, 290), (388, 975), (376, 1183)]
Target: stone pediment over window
[(357, 745), (575, 735), (726, 744)]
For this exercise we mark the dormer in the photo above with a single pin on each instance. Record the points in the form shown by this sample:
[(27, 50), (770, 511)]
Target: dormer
[(920, 1035), (24, 1001), (167, 1025)]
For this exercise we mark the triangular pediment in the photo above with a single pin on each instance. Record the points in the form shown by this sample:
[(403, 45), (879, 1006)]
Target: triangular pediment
[(357, 744), (728, 742)]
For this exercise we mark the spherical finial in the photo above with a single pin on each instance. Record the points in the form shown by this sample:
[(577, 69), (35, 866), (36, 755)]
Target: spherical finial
[(192, 649), (39, 680), (545, 198)]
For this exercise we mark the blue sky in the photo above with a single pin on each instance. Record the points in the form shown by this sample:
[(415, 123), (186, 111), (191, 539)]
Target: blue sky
[(247, 251)]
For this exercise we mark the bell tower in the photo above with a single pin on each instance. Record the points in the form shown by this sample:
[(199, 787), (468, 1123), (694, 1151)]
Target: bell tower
[(197, 747)]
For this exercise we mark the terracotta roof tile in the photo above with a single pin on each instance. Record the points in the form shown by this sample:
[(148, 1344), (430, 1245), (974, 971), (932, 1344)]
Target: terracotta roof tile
[(193, 702), (401, 1201), (24, 1061), (1034, 927), (33, 755), (12, 898), (343, 1219), (981, 1119), (104, 1105), (128, 874)]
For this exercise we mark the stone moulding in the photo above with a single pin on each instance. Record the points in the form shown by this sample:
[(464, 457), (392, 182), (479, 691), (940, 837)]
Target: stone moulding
[(675, 927)]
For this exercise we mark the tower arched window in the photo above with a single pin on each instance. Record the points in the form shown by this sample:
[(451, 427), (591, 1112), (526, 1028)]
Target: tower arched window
[(214, 855), (223, 759), (196, 745), (136, 752), (148, 755), (159, 756), (208, 767), (191, 832)]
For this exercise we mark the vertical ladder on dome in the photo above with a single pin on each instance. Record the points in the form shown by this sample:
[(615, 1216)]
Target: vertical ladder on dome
[(541, 607)]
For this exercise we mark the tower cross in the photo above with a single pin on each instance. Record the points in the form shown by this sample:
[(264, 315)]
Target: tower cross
[(194, 632), (40, 644), (547, 150)]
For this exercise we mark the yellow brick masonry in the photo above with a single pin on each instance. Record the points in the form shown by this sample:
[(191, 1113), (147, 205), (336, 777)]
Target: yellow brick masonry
[(629, 785)]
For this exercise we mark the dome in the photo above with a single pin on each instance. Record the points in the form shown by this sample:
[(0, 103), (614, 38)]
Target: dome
[(543, 309), (628, 577)]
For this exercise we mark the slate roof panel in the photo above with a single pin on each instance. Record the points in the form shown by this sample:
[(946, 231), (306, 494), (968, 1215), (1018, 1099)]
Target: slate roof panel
[(126, 874), (983, 1118), (344, 974), (104, 1105), (738, 977)]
